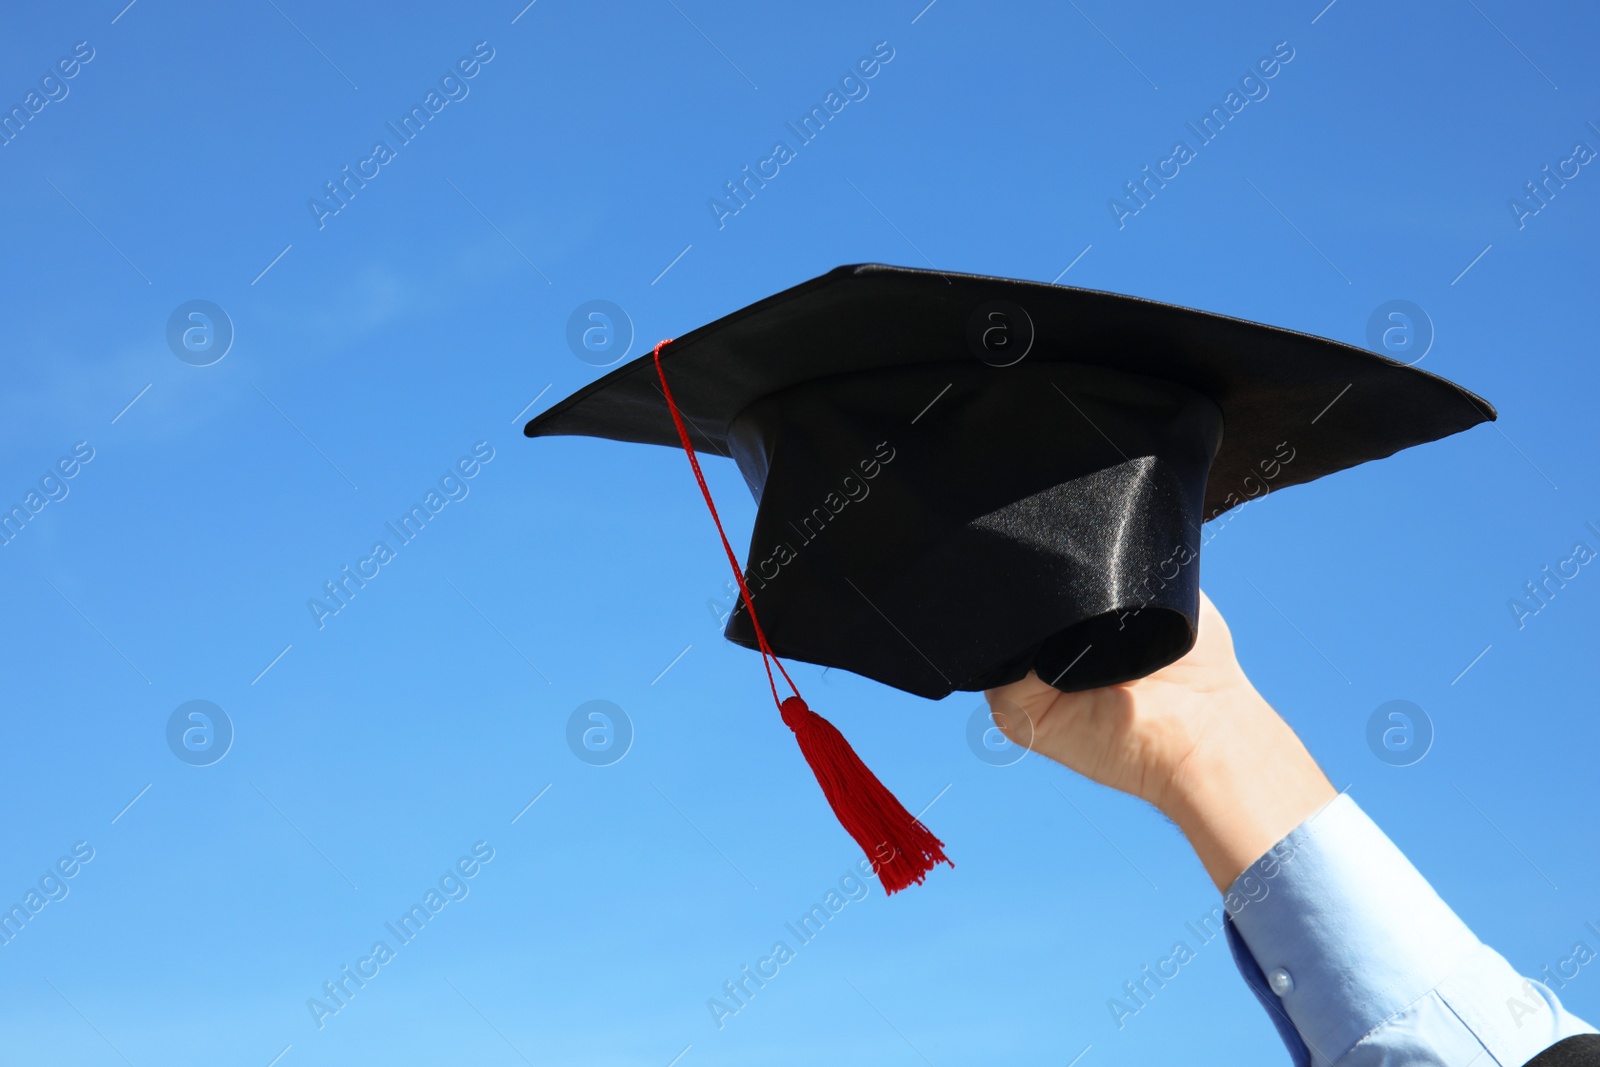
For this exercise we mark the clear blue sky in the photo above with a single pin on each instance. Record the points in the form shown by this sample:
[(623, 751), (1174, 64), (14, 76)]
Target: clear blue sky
[(372, 352)]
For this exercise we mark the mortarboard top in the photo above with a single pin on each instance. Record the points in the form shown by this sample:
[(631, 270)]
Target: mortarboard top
[(963, 478)]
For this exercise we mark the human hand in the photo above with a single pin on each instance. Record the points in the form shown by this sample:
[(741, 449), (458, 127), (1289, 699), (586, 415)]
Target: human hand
[(1194, 739)]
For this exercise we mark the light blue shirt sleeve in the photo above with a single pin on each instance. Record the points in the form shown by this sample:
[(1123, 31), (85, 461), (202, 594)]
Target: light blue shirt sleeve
[(1361, 964)]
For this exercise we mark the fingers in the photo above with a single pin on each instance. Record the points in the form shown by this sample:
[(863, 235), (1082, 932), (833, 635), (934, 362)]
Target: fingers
[(1009, 707)]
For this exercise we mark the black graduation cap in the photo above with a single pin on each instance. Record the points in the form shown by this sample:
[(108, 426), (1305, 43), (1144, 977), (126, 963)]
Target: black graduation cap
[(963, 478)]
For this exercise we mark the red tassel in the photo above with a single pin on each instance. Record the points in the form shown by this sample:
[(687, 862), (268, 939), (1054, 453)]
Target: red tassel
[(901, 849)]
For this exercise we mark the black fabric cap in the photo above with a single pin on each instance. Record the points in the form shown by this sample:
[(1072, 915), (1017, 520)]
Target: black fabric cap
[(1579, 1050), (962, 478)]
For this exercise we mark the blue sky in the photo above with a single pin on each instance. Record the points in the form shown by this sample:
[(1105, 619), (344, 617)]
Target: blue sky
[(375, 348)]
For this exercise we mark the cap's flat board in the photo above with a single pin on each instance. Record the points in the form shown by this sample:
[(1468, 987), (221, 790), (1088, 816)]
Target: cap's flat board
[(1334, 405)]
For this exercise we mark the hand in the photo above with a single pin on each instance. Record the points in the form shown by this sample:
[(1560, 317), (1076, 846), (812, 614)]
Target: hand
[(1194, 739)]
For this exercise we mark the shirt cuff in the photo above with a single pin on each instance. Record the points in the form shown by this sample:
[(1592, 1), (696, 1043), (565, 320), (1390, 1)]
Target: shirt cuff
[(1345, 931)]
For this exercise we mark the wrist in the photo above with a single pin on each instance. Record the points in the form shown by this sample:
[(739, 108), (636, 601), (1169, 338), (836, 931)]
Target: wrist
[(1244, 784)]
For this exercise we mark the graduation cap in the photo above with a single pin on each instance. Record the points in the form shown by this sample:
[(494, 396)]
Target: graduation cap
[(960, 478)]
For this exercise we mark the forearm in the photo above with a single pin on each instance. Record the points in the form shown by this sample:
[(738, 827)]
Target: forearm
[(1246, 782), (1339, 936)]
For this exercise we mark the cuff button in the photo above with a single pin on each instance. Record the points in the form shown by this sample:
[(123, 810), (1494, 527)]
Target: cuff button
[(1281, 981)]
